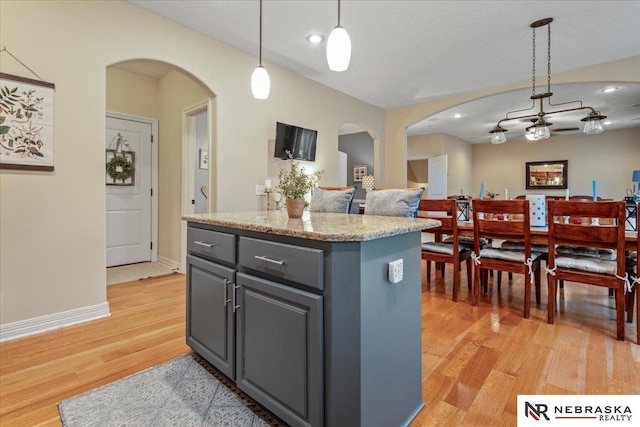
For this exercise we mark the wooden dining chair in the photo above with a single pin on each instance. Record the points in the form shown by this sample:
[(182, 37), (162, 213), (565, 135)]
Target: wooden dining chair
[(453, 253), (637, 281), (588, 270), (524, 262)]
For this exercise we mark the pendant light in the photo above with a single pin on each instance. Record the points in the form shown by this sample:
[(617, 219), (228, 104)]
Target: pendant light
[(260, 81), (338, 47), (540, 128)]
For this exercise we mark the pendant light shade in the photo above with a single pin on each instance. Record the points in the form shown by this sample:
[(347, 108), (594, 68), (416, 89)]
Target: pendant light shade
[(338, 47), (497, 135), (260, 81), (593, 123)]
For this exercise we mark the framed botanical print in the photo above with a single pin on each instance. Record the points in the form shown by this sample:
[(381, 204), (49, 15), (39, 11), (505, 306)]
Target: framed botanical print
[(26, 123)]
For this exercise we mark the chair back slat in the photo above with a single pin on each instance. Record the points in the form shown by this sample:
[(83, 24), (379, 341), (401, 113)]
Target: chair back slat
[(430, 208), (568, 233), (517, 227), (584, 208)]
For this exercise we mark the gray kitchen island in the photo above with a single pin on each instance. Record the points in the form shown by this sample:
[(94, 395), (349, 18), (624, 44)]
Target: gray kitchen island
[(303, 316)]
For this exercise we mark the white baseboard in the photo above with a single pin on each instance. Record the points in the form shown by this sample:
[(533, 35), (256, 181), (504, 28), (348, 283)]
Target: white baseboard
[(174, 265), (37, 325)]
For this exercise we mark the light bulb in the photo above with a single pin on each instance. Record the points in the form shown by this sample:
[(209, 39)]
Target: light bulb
[(530, 135), (592, 127), (498, 138), (541, 132), (260, 83), (338, 49)]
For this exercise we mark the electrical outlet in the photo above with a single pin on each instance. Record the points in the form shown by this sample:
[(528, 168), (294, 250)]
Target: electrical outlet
[(395, 272), (259, 190)]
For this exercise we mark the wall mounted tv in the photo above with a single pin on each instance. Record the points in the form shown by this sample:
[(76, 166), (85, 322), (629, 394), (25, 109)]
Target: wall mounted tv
[(300, 142)]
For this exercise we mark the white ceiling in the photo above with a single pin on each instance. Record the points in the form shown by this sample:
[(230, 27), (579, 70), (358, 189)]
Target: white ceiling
[(408, 52)]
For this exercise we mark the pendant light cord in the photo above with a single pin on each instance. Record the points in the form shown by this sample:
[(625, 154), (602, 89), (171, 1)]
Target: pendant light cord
[(338, 13), (260, 32)]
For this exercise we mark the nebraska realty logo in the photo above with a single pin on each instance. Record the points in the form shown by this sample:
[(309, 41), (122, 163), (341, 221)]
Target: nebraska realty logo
[(582, 410)]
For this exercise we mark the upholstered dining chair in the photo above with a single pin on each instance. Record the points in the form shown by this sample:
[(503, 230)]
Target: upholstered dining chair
[(332, 199), (453, 253), (587, 269), (517, 227)]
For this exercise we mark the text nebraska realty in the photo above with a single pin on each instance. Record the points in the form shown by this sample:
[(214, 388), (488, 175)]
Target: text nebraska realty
[(601, 413)]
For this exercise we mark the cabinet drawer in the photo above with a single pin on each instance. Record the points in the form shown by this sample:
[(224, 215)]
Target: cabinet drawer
[(282, 261), (211, 244)]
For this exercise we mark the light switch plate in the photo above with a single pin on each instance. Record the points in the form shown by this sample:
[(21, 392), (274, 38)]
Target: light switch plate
[(259, 190)]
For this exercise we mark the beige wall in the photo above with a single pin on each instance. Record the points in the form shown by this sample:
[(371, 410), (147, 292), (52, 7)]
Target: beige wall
[(459, 158), (397, 120), (609, 158), (52, 225), (177, 92), (131, 93)]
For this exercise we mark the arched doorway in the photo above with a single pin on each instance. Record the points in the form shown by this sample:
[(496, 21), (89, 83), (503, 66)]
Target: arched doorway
[(146, 91)]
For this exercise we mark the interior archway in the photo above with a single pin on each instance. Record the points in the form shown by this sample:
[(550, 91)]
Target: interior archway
[(150, 89)]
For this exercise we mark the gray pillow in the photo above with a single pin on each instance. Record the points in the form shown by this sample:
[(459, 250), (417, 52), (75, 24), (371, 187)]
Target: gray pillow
[(393, 202), (338, 201)]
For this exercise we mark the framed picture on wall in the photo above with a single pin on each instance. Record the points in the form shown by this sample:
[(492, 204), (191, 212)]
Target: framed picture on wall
[(359, 171), (26, 123), (204, 159)]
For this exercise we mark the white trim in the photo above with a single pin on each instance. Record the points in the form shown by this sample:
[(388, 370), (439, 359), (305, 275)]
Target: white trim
[(37, 325), (174, 265), (154, 173), (188, 144)]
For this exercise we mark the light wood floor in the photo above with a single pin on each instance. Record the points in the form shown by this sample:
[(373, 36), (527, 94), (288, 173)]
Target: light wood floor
[(476, 360)]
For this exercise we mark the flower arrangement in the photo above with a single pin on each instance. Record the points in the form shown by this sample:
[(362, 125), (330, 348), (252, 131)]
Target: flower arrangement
[(492, 195), (294, 182)]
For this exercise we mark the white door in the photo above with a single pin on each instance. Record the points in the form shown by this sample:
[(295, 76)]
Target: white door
[(129, 206), (437, 177)]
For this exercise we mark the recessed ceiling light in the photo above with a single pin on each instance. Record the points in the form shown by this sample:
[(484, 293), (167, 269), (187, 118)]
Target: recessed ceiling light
[(610, 89), (315, 38), (457, 115)]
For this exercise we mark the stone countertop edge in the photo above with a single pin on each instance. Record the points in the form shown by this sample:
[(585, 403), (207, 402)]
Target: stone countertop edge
[(330, 227)]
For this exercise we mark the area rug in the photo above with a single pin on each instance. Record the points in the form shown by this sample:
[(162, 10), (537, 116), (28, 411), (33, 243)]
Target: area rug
[(186, 391), (131, 272)]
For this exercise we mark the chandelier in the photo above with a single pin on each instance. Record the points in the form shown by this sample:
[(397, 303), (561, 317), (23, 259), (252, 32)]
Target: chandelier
[(539, 128)]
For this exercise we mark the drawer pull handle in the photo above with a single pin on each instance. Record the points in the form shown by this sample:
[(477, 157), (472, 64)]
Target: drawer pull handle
[(264, 258), (233, 296), (205, 244)]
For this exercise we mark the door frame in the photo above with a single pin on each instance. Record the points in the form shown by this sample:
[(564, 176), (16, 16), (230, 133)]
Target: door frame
[(188, 171), (154, 173)]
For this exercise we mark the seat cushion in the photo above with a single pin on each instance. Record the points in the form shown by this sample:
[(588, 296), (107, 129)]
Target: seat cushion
[(512, 245), (441, 248), (467, 241), (393, 202), (603, 254), (507, 255), (587, 263), (337, 201)]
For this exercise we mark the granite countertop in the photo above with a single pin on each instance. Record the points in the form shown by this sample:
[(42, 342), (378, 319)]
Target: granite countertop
[(331, 227)]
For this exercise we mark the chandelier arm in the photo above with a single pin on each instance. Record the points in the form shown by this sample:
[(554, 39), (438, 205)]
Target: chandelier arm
[(508, 119), (577, 101), (533, 105)]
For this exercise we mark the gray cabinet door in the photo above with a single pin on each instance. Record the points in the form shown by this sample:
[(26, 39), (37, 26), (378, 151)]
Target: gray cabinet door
[(210, 319), (279, 349)]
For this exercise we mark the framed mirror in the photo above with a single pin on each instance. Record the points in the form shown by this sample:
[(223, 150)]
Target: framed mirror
[(549, 175)]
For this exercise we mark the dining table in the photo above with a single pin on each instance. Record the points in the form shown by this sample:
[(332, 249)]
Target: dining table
[(540, 235)]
